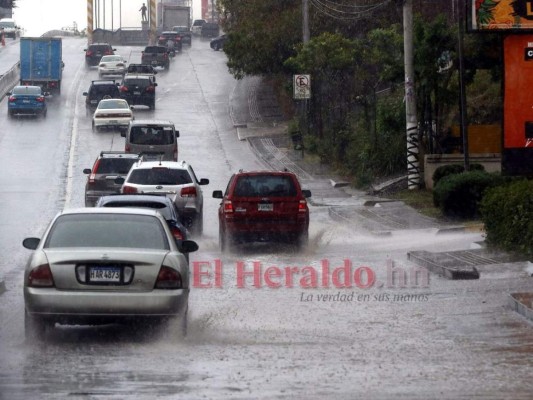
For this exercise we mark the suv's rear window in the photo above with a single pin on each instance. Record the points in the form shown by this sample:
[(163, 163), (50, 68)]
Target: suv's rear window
[(110, 89), (137, 82), (160, 176), (115, 165), (274, 185), (155, 49), (100, 48), (154, 135)]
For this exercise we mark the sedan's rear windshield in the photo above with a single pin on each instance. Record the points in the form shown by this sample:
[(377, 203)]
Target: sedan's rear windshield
[(160, 176), (33, 90), (161, 207), (115, 165), (107, 230), (152, 135), (274, 185)]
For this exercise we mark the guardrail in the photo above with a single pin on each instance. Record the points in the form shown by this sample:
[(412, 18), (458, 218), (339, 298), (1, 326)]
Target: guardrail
[(9, 80)]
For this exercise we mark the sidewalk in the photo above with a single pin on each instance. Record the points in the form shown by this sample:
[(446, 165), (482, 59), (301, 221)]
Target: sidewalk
[(266, 131)]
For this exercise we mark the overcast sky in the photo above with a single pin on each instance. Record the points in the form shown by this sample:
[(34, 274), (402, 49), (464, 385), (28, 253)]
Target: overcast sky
[(39, 16)]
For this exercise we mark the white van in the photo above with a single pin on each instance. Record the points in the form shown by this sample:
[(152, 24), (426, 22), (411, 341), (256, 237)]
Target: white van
[(10, 28)]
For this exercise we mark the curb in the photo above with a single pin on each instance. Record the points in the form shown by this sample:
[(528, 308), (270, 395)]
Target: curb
[(517, 302), (453, 273)]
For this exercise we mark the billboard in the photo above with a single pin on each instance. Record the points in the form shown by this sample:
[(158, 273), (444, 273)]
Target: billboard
[(517, 152), (500, 15)]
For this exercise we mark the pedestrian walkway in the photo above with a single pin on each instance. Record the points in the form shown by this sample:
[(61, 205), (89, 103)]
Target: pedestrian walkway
[(259, 120)]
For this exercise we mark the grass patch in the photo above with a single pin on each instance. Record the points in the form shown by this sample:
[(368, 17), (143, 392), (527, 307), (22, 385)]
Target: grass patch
[(420, 199)]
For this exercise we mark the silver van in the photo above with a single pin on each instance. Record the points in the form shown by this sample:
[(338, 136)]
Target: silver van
[(153, 139)]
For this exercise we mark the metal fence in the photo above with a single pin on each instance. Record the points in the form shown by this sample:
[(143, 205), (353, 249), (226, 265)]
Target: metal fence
[(9, 80)]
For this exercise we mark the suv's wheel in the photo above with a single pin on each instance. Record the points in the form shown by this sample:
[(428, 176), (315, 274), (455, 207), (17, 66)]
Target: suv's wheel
[(225, 241), (302, 240), (152, 105), (43, 114)]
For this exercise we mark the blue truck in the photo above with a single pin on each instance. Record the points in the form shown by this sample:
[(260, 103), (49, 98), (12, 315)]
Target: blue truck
[(41, 63)]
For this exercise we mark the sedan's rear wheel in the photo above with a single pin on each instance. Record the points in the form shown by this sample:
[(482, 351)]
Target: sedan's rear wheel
[(34, 327)]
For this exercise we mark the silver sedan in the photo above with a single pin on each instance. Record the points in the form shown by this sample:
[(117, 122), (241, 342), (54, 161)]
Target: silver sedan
[(105, 265)]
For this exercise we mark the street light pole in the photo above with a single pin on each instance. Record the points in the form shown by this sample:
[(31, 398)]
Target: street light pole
[(305, 21), (413, 172)]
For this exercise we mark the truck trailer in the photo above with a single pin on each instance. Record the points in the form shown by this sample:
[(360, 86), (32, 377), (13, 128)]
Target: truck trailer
[(41, 63), (171, 15)]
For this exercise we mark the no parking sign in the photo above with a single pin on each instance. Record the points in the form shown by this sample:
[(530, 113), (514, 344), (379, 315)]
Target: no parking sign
[(302, 86)]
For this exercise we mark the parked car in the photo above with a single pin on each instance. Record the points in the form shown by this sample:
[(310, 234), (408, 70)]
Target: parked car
[(210, 30), (196, 27), (112, 65), (108, 166), (218, 42), (94, 53), (138, 90), (100, 89), (156, 56), (161, 203), (112, 113), (175, 179), (184, 32), (105, 265), (153, 139), (141, 69), (27, 100), (263, 206)]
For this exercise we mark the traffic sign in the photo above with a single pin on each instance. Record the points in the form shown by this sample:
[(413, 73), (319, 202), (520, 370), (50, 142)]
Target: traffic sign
[(302, 86)]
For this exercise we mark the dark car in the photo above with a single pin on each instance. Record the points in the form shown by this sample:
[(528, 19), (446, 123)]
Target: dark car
[(26, 100), (218, 42), (138, 90), (161, 203), (100, 89), (108, 166), (156, 56), (263, 206), (184, 32), (173, 36), (95, 52), (210, 29)]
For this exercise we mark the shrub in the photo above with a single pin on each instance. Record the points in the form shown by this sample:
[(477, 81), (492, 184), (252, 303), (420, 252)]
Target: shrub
[(507, 212), (458, 195), (445, 170)]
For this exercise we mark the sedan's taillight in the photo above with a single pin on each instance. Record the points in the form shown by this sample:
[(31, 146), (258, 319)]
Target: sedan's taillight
[(123, 89), (41, 276), (12, 99), (188, 191), (168, 278), (129, 189), (40, 99)]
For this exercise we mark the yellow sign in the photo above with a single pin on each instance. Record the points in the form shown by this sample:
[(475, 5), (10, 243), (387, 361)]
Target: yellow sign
[(502, 14)]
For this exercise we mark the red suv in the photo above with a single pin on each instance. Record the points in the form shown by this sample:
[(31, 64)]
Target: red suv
[(263, 206)]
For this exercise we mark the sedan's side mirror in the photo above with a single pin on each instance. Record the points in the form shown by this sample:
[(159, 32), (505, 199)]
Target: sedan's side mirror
[(188, 246), (204, 181), (217, 194), (85, 94), (31, 243), (306, 193)]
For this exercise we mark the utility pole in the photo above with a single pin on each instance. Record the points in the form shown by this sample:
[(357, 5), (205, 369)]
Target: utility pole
[(462, 89), (413, 170), (305, 21)]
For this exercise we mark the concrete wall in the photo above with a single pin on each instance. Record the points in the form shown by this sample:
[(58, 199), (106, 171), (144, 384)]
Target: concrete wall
[(491, 161)]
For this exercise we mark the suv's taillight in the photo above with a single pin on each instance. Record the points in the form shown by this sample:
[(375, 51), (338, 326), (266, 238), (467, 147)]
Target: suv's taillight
[(176, 232), (188, 191), (228, 206), (89, 53), (123, 89), (129, 189), (127, 148), (168, 278), (302, 206), (92, 176), (150, 89), (41, 276)]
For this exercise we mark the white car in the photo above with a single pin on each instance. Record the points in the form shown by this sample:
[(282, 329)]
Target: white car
[(112, 113), (112, 65)]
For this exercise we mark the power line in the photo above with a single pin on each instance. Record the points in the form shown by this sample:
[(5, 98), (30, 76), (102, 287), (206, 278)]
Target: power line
[(342, 11)]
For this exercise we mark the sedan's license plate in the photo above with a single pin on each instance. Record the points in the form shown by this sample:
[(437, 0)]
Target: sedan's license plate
[(154, 62), (104, 274), (113, 121), (137, 93), (265, 207)]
